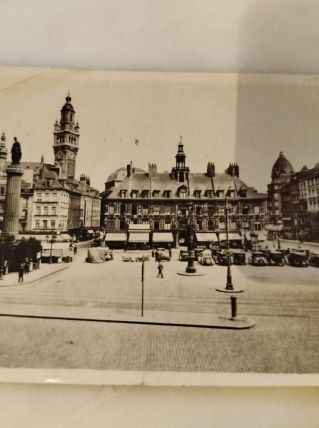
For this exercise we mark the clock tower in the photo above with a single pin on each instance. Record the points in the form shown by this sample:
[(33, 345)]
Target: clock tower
[(66, 141)]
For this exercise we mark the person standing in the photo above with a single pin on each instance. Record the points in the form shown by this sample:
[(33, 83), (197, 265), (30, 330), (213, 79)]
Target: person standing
[(21, 272), (160, 269), (170, 251)]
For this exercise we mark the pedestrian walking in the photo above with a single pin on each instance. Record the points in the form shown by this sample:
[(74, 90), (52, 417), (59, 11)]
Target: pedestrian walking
[(170, 251), (75, 249), (153, 253), (156, 256), (21, 272), (160, 268)]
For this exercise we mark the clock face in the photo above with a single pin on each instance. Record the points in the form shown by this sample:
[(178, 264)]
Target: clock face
[(71, 155), (59, 155)]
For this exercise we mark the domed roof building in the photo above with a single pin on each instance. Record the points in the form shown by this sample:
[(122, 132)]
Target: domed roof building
[(281, 166)]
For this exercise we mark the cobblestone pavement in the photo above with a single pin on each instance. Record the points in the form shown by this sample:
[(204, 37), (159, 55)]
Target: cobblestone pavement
[(284, 301)]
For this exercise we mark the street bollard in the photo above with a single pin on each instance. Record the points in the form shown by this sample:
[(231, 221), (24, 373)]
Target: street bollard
[(233, 302)]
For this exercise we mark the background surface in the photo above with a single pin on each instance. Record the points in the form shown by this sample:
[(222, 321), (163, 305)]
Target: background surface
[(178, 35)]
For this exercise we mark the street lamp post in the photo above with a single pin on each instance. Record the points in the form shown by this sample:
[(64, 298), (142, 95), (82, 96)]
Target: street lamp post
[(191, 255), (53, 239), (229, 281)]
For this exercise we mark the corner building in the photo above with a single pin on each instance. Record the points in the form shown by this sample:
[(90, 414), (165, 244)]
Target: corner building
[(293, 199), (161, 204), (52, 200)]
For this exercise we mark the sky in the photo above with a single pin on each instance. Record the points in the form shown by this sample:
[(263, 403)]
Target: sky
[(222, 118)]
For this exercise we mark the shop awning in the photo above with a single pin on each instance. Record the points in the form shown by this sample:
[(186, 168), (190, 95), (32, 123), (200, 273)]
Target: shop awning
[(118, 237), (162, 237), (206, 237), (231, 237), (55, 245), (139, 227), (139, 237)]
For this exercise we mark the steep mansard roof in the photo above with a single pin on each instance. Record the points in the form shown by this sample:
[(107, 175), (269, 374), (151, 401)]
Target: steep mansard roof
[(197, 181)]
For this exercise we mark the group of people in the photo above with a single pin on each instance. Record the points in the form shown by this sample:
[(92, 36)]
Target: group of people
[(25, 268)]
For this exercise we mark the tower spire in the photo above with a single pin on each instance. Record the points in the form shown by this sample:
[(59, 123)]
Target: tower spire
[(66, 140)]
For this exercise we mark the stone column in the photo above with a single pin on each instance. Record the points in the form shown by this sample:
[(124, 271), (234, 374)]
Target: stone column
[(12, 202)]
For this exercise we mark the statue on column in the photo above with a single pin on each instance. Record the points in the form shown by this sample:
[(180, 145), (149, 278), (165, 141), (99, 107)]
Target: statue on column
[(16, 152)]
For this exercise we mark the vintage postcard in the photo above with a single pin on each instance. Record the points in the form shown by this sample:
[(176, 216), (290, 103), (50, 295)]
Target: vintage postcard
[(159, 222)]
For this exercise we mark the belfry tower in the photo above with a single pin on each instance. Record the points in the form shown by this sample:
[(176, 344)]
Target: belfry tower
[(66, 141), (180, 172)]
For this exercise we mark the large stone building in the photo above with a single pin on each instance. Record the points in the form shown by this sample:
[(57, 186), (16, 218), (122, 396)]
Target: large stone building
[(52, 200), (160, 205), (293, 199)]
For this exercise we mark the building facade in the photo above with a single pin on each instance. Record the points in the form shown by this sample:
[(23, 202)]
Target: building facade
[(51, 197), (293, 200), (165, 202)]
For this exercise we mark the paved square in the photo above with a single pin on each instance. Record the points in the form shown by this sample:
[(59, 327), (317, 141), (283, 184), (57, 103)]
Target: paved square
[(284, 302)]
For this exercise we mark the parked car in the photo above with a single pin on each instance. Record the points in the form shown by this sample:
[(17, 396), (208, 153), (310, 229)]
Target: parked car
[(198, 251), (183, 255), (96, 243), (298, 258), (276, 258), (127, 258), (162, 254), (99, 255), (258, 258), (221, 258), (142, 258), (205, 258), (314, 259), (238, 257)]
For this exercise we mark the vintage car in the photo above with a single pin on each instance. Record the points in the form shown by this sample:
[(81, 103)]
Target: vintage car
[(258, 258), (142, 258), (238, 257), (314, 259), (183, 255), (99, 255), (205, 258), (298, 258), (221, 258), (128, 258), (96, 243), (162, 254), (274, 257), (198, 251)]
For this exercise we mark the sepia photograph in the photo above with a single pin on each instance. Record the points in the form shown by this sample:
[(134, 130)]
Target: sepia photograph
[(164, 222)]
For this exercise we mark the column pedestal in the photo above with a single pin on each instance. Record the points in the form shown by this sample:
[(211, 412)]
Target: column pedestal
[(12, 202)]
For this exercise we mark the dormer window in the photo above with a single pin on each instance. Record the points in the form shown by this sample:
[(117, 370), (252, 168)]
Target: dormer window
[(243, 193), (167, 194), (123, 194), (220, 193), (209, 194), (182, 192), (134, 194), (156, 193), (197, 194), (145, 194)]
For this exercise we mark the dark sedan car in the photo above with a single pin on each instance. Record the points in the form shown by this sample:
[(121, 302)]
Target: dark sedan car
[(221, 258), (258, 258), (314, 259), (298, 258), (276, 258), (238, 257)]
